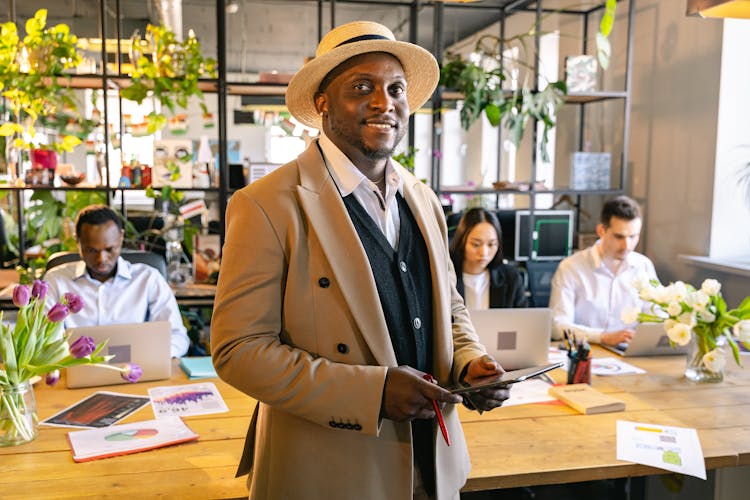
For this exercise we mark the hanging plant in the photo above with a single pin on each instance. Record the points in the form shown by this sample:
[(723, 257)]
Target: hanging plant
[(481, 85), (168, 69), (30, 70)]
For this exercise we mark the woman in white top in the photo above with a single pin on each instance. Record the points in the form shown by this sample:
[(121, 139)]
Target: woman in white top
[(482, 278)]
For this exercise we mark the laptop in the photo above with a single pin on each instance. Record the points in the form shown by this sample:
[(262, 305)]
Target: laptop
[(650, 339), (516, 338), (146, 344)]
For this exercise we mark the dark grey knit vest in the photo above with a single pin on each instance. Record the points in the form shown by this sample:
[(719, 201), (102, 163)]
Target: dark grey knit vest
[(405, 289)]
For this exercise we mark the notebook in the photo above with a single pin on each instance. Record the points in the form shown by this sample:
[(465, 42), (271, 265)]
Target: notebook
[(650, 339), (517, 338), (146, 344)]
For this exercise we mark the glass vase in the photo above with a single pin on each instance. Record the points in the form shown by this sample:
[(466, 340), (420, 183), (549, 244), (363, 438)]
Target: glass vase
[(696, 369), (18, 418)]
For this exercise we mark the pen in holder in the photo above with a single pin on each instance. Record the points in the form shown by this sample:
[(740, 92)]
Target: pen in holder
[(579, 365)]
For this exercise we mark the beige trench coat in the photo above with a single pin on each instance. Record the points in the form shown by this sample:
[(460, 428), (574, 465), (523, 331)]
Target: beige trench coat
[(298, 325)]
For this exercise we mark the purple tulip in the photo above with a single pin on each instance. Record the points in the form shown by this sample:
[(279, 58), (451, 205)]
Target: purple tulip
[(73, 301), (83, 346), (39, 289), (52, 377), (21, 295), (58, 313), (132, 372)]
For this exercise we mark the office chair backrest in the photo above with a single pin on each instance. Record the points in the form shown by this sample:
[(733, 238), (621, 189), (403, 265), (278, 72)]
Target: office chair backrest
[(135, 256), (540, 274)]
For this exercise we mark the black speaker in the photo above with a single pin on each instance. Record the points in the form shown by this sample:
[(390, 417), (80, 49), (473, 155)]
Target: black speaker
[(236, 176)]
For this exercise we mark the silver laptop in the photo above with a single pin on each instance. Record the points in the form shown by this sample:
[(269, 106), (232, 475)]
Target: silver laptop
[(517, 338), (146, 344), (650, 339)]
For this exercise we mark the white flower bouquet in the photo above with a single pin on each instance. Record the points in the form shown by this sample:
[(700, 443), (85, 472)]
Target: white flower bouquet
[(697, 315)]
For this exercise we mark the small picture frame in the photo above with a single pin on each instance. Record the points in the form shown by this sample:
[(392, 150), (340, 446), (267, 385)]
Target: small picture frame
[(590, 170), (580, 73)]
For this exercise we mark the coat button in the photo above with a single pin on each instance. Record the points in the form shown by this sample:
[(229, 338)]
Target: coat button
[(342, 348), (357, 427), (332, 424), (417, 323), (324, 282), (402, 266)]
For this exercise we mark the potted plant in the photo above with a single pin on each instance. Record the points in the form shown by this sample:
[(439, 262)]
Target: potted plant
[(482, 90), (30, 72), (168, 69)]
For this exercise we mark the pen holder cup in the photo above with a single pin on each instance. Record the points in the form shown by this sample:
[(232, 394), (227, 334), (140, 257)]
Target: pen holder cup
[(579, 371)]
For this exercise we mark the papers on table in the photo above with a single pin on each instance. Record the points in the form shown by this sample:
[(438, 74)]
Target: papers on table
[(128, 438), (613, 366), (100, 409), (186, 400), (530, 391), (672, 448)]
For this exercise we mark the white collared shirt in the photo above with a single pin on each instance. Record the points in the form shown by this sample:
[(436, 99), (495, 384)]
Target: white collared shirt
[(350, 180), (588, 298), (136, 293)]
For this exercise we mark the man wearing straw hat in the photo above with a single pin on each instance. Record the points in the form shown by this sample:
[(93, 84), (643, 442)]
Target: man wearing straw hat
[(336, 296)]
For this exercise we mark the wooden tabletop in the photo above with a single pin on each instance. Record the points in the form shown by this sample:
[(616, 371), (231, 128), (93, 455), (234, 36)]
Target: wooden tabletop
[(514, 446)]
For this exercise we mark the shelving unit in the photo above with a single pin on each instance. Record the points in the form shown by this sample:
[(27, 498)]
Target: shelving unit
[(440, 15), (506, 10)]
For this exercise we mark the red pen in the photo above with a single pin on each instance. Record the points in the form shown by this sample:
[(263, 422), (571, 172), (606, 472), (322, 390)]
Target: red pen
[(438, 413)]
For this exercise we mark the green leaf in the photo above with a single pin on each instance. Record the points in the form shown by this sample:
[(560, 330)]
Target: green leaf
[(603, 50), (493, 114)]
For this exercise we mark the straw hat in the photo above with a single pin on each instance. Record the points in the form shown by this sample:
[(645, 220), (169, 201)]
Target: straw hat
[(346, 41)]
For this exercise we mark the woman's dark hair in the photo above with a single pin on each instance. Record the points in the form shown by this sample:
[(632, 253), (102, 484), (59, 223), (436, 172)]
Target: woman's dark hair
[(471, 218), (96, 215)]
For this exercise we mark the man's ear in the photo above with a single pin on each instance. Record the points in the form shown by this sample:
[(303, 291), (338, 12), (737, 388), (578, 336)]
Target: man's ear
[(321, 103), (600, 229)]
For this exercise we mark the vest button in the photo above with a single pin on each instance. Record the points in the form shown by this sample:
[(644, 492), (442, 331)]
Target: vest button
[(417, 323), (342, 348), (402, 266), (324, 282)]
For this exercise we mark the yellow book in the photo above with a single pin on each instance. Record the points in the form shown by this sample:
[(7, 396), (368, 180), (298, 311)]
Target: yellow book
[(585, 399)]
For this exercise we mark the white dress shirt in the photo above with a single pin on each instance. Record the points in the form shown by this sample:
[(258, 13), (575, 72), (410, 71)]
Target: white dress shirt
[(350, 180), (136, 293), (587, 298)]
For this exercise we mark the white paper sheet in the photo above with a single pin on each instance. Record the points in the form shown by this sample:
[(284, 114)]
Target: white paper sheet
[(613, 366), (672, 448), (186, 400), (529, 391)]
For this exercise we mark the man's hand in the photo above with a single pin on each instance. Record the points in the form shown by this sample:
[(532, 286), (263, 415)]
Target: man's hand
[(408, 396), (614, 338), (489, 398)]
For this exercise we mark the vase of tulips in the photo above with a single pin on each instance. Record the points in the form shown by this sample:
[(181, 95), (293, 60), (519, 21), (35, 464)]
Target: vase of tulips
[(700, 319), (37, 346)]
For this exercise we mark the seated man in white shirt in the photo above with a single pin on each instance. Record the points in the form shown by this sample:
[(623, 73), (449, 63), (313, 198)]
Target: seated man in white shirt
[(591, 288), (113, 289)]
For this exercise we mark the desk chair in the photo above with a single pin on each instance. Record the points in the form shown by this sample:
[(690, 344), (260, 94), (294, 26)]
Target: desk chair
[(540, 274), (135, 256)]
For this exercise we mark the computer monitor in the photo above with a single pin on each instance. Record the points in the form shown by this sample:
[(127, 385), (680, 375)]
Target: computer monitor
[(552, 236)]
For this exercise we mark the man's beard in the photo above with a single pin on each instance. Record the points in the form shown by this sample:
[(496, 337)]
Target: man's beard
[(380, 153)]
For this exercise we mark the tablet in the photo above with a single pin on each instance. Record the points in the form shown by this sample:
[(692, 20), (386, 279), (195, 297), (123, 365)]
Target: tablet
[(504, 379)]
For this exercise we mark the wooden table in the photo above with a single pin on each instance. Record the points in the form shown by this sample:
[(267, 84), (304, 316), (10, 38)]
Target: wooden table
[(514, 446)]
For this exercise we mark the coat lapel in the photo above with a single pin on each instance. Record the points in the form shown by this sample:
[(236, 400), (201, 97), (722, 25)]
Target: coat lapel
[(322, 204)]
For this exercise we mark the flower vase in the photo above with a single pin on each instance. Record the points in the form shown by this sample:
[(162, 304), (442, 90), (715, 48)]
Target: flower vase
[(18, 418), (697, 369)]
